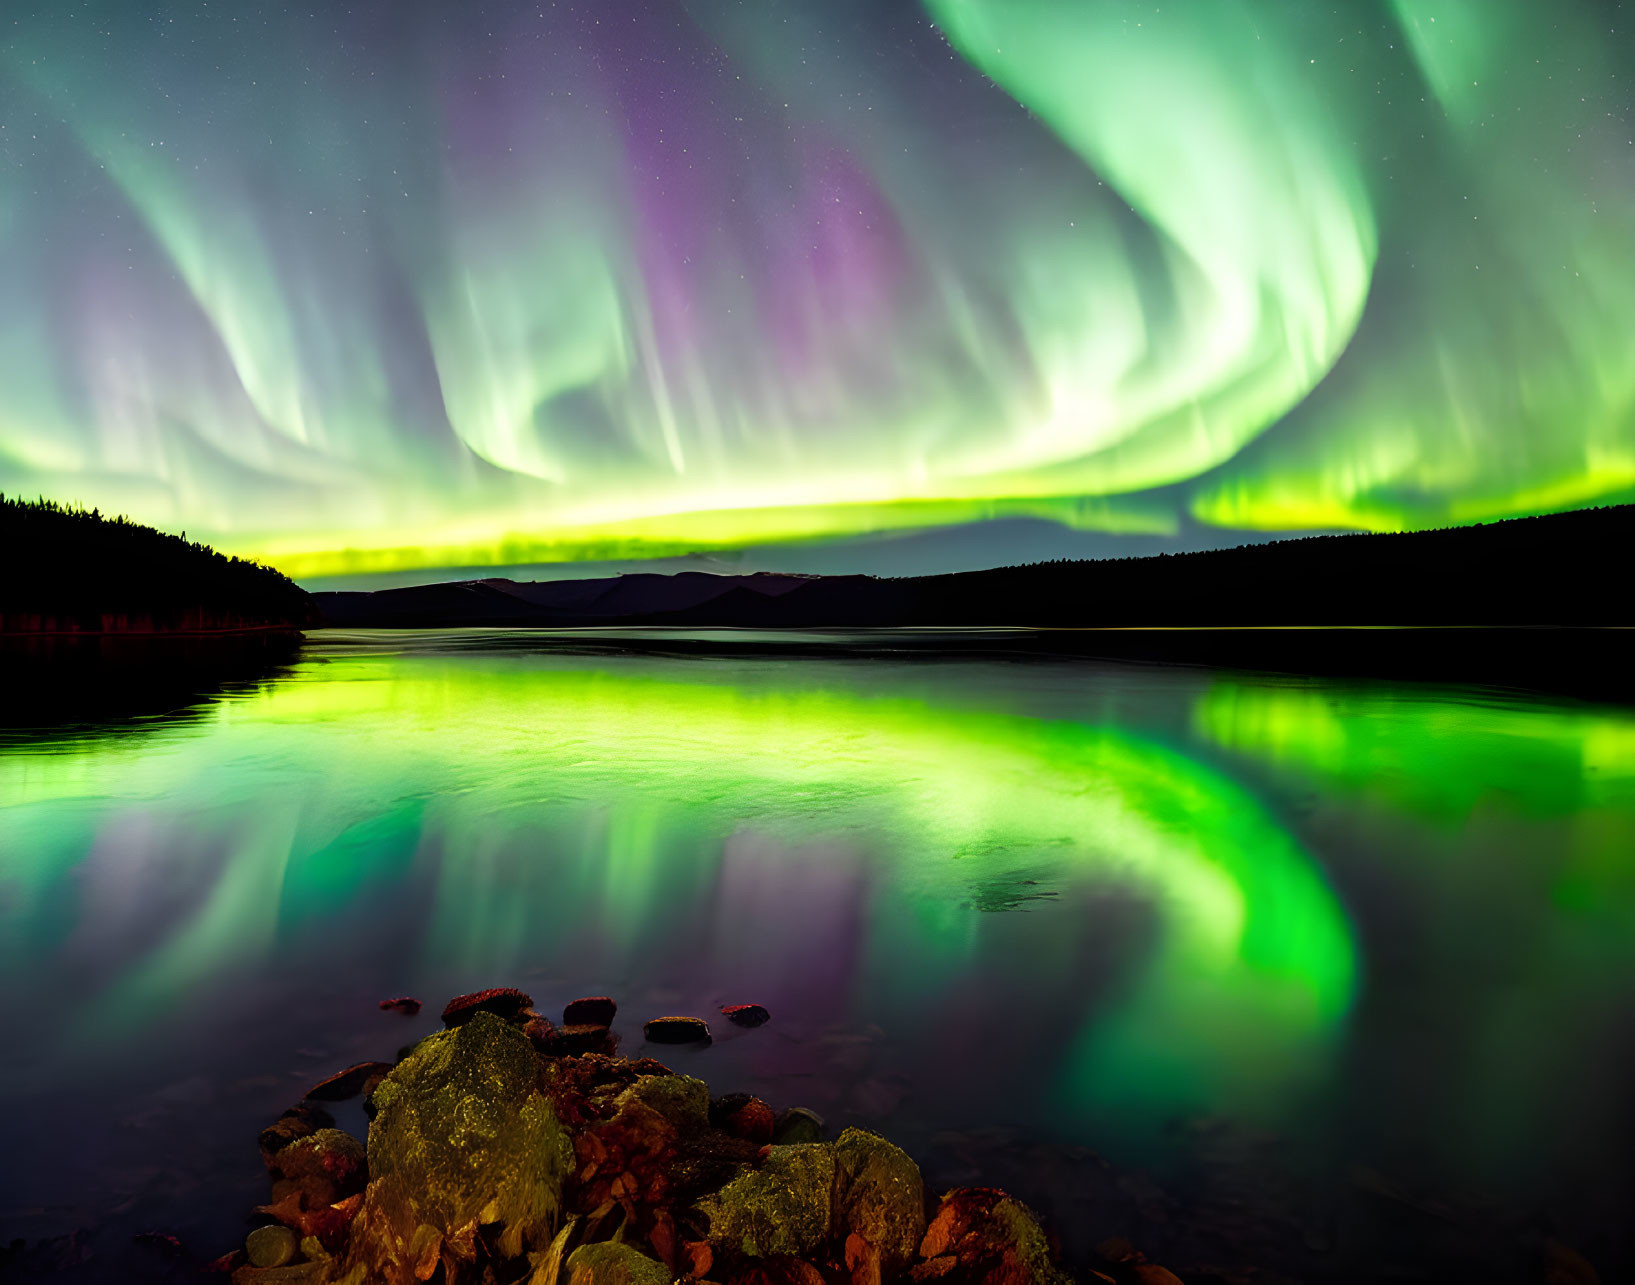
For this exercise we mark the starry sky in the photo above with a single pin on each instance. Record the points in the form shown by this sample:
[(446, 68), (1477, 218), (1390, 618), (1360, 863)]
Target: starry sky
[(382, 288)]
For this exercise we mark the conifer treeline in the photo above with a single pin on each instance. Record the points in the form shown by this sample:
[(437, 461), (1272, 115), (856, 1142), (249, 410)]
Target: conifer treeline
[(75, 563)]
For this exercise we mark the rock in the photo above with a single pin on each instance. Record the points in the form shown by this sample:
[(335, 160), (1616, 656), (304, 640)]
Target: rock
[(1117, 1249), (540, 1032), (781, 1208), (592, 1010), (862, 1261), (697, 1258), (681, 1099), (574, 1041), (349, 1083), (290, 1274), (270, 1246), (408, 1005), (992, 1238), (677, 1030), (610, 1262), (323, 1168), (463, 1138), (503, 1001), (782, 1270), (639, 1148), (879, 1197), (323, 1225), (548, 1266), (584, 1089), (1152, 1274), (796, 1125), (298, 1122), (746, 1014), (161, 1242), (743, 1117)]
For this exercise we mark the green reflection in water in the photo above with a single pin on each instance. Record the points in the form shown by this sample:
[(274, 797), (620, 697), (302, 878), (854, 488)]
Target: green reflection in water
[(538, 797), (1435, 757), (1522, 909), (1458, 762)]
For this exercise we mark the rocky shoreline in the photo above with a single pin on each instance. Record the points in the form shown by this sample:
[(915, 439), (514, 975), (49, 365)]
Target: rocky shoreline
[(511, 1148)]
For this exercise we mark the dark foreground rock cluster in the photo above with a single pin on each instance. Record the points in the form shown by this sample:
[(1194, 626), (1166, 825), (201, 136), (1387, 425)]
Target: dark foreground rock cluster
[(499, 1151)]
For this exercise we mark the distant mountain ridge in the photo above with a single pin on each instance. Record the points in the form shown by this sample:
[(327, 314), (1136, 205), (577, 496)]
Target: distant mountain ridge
[(1563, 569), (563, 603)]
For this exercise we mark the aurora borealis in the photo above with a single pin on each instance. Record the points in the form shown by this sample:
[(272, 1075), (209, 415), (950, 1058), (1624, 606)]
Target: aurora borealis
[(395, 284)]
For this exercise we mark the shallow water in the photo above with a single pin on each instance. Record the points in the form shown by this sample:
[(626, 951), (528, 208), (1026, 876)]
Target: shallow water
[(1346, 959)]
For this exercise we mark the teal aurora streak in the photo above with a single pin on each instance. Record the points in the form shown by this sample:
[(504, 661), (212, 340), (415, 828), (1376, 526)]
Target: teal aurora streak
[(418, 284)]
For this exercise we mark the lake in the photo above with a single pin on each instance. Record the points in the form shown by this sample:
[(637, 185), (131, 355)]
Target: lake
[(1333, 977)]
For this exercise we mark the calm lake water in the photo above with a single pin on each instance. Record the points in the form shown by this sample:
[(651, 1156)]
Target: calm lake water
[(1337, 977)]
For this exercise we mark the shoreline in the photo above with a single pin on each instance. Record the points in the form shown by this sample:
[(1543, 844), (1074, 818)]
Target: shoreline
[(1592, 663), (507, 1148)]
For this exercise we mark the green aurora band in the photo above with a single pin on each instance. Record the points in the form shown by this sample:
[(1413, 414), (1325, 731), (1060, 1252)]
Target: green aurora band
[(422, 286)]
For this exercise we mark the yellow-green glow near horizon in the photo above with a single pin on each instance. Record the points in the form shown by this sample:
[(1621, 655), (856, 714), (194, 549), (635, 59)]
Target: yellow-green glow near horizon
[(379, 290), (566, 794)]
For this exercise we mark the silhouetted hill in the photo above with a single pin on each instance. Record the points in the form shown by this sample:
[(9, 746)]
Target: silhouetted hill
[(72, 571), (1564, 569), (563, 603)]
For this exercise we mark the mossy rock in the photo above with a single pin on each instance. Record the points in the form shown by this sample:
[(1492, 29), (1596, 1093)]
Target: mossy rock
[(461, 1138), (983, 1235), (797, 1124), (613, 1263), (782, 1207), (680, 1099), (289, 1274), (271, 1246), (318, 1170), (879, 1196)]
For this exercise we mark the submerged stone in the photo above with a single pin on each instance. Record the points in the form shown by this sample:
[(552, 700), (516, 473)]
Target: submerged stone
[(591, 1010), (746, 1014), (502, 1001), (349, 1083), (677, 1030)]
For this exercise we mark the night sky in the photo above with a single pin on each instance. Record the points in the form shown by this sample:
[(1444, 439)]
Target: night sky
[(829, 284)]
